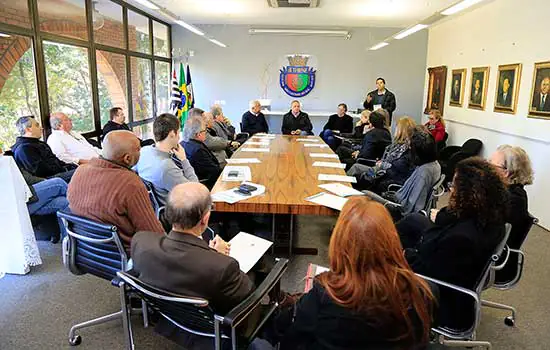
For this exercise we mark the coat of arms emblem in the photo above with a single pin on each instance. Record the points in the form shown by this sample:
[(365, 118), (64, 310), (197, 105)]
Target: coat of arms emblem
[(297, 79)]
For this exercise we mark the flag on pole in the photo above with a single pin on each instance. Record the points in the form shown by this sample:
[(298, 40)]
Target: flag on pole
[(190, 93), (184, 107), (175, 96)]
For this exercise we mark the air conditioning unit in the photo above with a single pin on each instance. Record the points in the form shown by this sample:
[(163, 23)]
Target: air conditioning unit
[(293, 3)]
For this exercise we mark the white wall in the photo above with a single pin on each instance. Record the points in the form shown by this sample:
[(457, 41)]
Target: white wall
[(346, 70), (501, 32)]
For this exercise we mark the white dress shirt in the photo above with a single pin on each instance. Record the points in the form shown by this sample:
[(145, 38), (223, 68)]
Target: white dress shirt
[(71, 147)]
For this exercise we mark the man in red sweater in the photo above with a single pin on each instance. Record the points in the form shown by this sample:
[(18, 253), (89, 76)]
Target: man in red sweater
[(107, 190)]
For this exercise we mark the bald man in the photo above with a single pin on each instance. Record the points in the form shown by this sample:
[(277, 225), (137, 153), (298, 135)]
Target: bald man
[(108, 191), (68, 145)]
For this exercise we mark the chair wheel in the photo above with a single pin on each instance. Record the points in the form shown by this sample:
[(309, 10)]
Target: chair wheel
[(76, 340), (509, 321)]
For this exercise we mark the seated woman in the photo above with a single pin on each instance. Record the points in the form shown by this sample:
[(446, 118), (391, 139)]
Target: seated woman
[(361, 128), (370, 298), (396, 164), (436, 125), (455, 244), (514, 166)]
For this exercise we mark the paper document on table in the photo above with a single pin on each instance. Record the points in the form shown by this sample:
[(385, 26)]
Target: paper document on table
[(265, 150), (328, 200), (324, 155), (247, 249), (247, 143), (341, 178), (308, 140), (341, 190), (262, 138), (330, 165), (243, 161), (236, 173), (315, 145), (231, 196), (263, 134)]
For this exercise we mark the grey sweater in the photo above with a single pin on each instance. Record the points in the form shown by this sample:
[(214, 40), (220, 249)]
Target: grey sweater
[(158, 168)]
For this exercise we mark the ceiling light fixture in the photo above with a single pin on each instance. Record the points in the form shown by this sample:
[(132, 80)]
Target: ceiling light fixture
[(219, 43), (148, 4), (410, 31), (190, 27), (459, 7), (329, 32), (379, 46)]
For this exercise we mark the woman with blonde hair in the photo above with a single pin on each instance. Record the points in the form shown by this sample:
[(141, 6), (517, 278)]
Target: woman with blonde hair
[(396, 164), (436, 125), (370, 298)]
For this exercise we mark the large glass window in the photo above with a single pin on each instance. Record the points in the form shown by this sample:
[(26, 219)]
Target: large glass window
[(18, 95), (161, 39), (112, 83), (162, 86), (107, 23), (63, 17), (138, 33), (15, 12), (69, 86), (144, 131), (142, 94)]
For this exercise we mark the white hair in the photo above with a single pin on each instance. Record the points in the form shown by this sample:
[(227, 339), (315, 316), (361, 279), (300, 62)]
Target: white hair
[(253, 103)]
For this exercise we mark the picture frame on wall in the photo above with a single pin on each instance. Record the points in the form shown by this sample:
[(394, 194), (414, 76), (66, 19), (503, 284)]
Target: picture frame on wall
[(478, 88), (507, 89), (458, 82), (436, 89), (539, 104)]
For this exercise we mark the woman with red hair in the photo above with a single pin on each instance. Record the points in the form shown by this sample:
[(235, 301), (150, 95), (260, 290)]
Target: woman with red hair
[(370, 298)]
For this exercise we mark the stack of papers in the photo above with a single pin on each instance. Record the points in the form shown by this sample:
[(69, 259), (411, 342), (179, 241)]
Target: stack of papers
[(236, 173), (243, 161), (324, 155), (341, 190), (261, 143), (315, 145), (307, 140), (330, 165), (265, 150), (328, 200), (262, 134), (340, 178), (231, 196), (247, 250)]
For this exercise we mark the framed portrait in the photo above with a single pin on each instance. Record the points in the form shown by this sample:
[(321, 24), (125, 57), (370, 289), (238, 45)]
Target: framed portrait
[(478, 88), (458, 81), (436, 89), (507, 89), (539, 105)]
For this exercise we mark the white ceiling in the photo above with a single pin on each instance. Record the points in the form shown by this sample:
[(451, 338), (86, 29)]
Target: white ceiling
[(333, 13)]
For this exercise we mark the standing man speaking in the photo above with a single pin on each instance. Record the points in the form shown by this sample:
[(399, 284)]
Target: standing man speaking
[(380, 98)]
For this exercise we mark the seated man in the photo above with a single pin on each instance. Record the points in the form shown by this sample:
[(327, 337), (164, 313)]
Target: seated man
[(201, 158), (118, 122), (216, 144), (68, 145), (35, 156), (157, 164), (253, 121), (223, 128), (184, 263), (296, 122), (107, 190), (337, 123)]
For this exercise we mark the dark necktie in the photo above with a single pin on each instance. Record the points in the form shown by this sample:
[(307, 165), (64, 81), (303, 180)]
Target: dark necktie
[(542, 101)]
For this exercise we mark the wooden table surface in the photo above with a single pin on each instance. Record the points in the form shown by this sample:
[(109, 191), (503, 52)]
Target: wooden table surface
[(288, 175)]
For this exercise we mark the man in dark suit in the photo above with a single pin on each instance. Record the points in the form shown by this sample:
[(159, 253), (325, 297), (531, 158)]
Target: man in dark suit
[(504, 98), (203, 161), (182, 262), (117, 121), (296, 122), (476, 93), (253, 120), (455, 92), (381, 97), (541, 102)]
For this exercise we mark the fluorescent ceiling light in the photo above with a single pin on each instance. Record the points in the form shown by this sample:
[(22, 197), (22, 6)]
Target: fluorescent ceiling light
[(379, 46), (219, 43), (2, 35), (298, 31), (148, 4), (459, 7), (410, 31), (190, 27)]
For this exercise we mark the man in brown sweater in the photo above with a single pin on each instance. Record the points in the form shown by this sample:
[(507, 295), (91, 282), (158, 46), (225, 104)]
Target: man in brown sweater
[(107, 190)]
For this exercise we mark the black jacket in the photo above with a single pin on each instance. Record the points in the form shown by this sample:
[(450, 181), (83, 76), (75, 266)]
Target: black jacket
[(343, 124), (291, 123), (254, 124), (455, 251), (398, 173), (374, 143), (37, 158), (112, 126), (203, 161), (388, 104)]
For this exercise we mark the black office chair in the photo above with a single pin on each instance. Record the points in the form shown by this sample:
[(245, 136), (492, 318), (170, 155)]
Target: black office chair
[(195, 316), (95, 248), (509, 268), (443, 143), (452, 337), (451, 155)]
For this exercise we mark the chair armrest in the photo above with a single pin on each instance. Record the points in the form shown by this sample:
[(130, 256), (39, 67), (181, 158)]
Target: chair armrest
[(394, 187), (241, 311), (365, 161), (382, 200), (504, 262)]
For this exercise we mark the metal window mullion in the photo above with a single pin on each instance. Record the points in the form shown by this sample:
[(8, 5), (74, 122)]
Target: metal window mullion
[(153, 74), (128, 64), (92, 61)]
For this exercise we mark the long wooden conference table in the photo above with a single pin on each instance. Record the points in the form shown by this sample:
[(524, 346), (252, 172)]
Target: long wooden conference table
[(289, 176)]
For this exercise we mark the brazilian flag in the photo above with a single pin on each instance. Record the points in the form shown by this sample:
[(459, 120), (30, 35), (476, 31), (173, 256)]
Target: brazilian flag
[(183, 107)]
